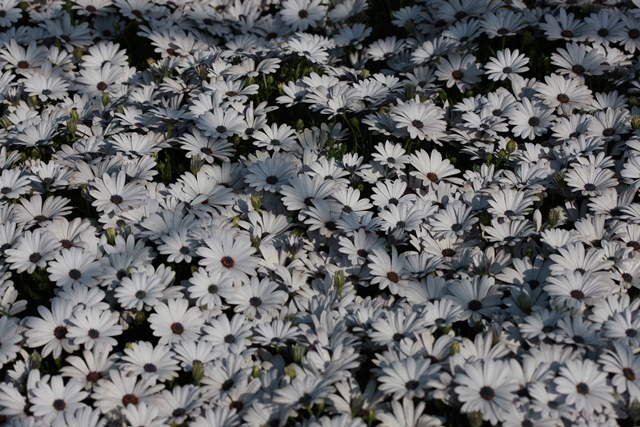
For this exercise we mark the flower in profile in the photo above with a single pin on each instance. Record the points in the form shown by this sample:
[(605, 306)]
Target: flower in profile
[(9, 339)]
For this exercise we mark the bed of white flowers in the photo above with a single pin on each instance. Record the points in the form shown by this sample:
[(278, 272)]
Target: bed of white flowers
[(319, 213)]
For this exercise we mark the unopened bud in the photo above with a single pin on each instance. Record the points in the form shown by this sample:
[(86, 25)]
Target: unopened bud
[(365, 73), (633, 101), (298, 352), (512, 146), (197, 372), (635, 122), (141, 318), (454, 349), (339, 281), (196, 164), (554, 217), (77, 53), (105, 99), (36, 360), (475, 418), (409, 91), (409, 26), (111, 235), (299, 125), (256, 203), (290, 371), (524, 303), (634, 410), (488, 158), (537, 219), (255, 372)]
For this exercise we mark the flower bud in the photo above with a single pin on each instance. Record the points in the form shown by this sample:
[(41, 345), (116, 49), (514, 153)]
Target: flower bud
[(512, 146), (338, 281), (197, 372), (475, 418), (255, 372), (365, 73), (634, 410), (111, 235), (256, 203), (299, 125), (488, 158), (635, 122), (36, 360), (409, 26), (140, 318), (196, 164), (105, 99), (537, 219), (290, 371), (554, 217), (298, 352), (524, 303), (409, 91), (454, 349)]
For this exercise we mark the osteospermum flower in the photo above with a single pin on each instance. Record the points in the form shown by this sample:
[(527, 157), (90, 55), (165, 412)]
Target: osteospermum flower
[(506, 64), (458, 70), (51, 398), (564, 94), (114, 194), (585, 386), (388, 272), (75, 266), (488, 388), (92, 326), (232, 254), (424, 121), (302, 14), (34, 249), (175, 321)]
